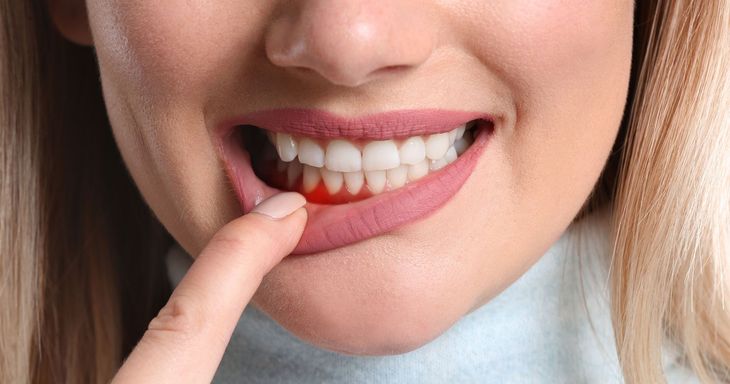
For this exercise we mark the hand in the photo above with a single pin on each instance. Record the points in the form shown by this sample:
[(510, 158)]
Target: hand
[(186, 341)]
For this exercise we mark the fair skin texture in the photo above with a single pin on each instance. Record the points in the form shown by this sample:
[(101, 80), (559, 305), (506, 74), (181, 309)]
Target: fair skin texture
[(554, 72)]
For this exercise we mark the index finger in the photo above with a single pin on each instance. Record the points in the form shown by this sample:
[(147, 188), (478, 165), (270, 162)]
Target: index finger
[(186, 341)]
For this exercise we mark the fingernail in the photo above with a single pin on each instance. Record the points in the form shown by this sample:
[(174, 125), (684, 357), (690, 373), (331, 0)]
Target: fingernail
[(280, 205)]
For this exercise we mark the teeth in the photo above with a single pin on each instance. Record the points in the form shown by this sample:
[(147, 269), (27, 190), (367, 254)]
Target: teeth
[(460, 132), (354, 182), (435, 165), (412, 151), (397, 177), (342, 156), (332, 180), (451, 155), (293, 172), (380, 155), (376, 181), (460, 145), (310, 178), (286, 146), (417, 171), (436, 145), (379, 164), (311, 153)]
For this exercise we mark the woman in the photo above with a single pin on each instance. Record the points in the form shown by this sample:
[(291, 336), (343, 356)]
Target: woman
[(442, 150)]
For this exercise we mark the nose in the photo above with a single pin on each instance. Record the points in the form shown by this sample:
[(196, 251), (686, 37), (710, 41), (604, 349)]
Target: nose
[(351, 42)]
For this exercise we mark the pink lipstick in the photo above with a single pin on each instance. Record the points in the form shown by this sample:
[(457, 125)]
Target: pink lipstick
[(335, 225)]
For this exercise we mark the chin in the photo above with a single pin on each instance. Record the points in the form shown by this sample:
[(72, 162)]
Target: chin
[(373, 329), (372, 298)]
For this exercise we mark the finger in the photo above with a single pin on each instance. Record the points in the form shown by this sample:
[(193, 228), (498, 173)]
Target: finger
[(186, 341)]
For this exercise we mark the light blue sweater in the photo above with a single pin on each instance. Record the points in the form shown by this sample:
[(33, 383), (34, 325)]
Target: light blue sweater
[(536, 331)]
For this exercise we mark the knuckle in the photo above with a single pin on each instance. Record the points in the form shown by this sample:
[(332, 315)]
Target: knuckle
[(228, 241), (178, 320), (244, 238)]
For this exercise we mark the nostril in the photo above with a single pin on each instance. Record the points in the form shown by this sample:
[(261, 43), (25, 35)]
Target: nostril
[(392, 68)]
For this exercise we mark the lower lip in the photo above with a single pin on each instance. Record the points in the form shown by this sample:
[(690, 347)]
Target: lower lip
[(333, 226)]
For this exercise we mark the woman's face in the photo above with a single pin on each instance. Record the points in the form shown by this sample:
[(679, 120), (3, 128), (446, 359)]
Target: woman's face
[(386, 274)]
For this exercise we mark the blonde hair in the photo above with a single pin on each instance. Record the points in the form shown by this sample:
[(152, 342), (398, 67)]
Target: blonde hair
[(669, 271), (80, 266)]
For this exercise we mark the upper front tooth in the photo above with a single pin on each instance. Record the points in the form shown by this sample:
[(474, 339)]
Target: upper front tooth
[(380, 155), (412, 151), (437, 145), (286, 146), (311, 153), (342, 156)]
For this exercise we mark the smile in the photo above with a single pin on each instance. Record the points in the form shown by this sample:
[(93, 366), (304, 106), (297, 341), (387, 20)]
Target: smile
[(362, 177)]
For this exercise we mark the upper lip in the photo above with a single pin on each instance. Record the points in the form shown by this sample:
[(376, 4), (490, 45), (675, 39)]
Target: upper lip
[(380, 126)]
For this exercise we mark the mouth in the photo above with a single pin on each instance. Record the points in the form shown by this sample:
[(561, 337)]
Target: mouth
[(362, 177)]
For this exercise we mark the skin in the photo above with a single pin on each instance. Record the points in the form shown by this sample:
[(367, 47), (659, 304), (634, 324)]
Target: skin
[(555, 73)]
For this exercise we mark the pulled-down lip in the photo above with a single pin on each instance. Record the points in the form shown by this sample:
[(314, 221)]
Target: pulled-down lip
[(334, 226)]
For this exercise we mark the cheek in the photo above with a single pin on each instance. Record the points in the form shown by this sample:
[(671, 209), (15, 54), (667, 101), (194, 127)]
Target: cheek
[(568, 65), (154, 45), (147, 46), (157, 61)]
